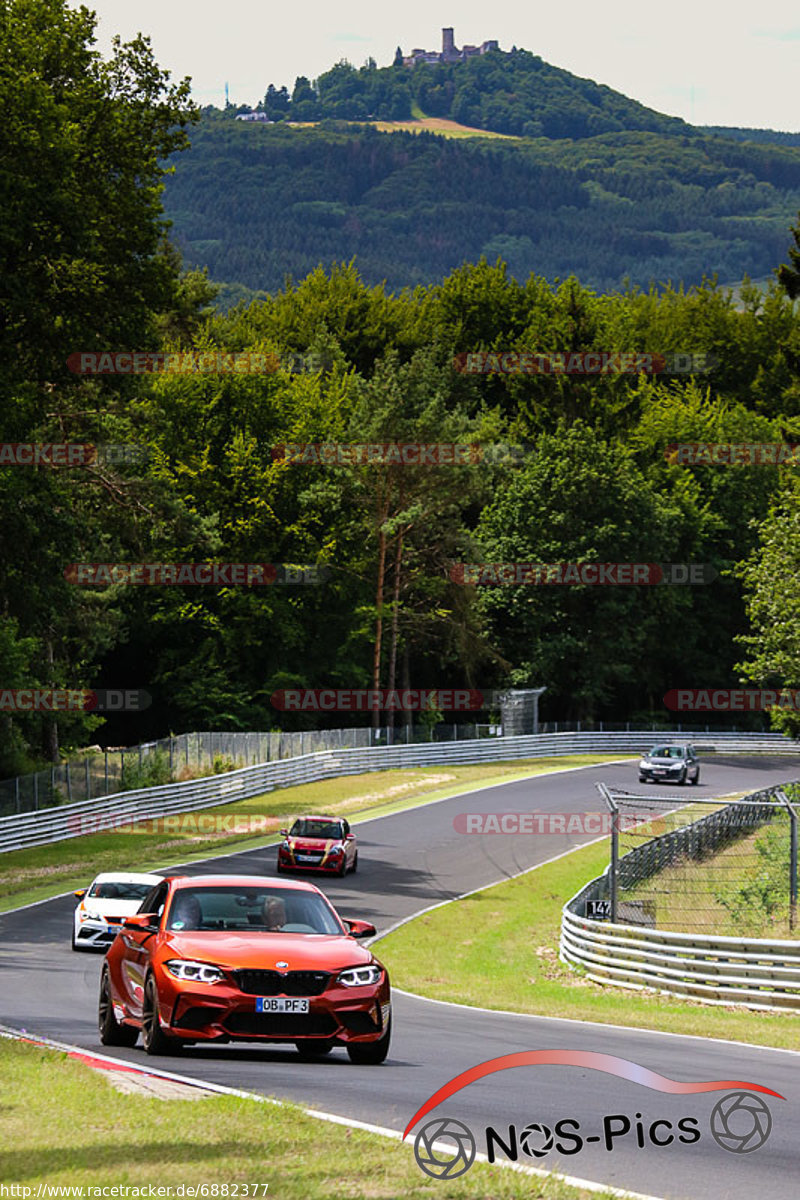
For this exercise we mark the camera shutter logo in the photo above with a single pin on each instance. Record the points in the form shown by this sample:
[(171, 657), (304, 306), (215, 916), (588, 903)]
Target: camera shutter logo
[(432, 1161), (740, 1122), (536, 1140)]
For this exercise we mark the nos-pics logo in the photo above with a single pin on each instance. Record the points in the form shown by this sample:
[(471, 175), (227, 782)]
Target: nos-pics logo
[(740, 1122)]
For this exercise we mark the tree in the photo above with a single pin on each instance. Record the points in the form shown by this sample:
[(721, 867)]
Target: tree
[(789, 276), (398, 58), (84, 267), (773, 603), (581, 498)]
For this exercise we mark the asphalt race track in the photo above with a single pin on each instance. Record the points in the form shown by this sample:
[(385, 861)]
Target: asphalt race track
[(408, 862)]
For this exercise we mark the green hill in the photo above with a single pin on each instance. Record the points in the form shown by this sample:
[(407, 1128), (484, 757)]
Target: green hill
[(515, 92), (255, 203)]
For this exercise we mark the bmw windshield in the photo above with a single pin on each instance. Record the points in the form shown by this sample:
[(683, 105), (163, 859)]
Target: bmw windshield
[(251, 910)]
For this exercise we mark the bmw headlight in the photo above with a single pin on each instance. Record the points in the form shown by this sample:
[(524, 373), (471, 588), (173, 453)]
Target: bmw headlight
[(196, 972), (359, 976)]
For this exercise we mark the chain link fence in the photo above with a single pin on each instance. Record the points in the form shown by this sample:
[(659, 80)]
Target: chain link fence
[(727, 868)]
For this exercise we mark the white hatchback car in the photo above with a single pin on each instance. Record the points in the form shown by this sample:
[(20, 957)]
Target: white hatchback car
[(104, 905)]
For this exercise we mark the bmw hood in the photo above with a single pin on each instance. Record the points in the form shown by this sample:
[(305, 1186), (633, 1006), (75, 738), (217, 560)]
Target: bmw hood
[(302, 952)]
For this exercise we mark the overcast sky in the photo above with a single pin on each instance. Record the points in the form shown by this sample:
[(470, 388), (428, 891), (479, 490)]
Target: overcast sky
[(708, 62)]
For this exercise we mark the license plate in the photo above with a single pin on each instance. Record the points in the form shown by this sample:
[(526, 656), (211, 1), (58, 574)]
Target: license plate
[(282, 1004), (114, 928), (307, 858)]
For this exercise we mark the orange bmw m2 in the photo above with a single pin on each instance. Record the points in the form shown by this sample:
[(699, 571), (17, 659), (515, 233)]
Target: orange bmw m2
[(219, 958)]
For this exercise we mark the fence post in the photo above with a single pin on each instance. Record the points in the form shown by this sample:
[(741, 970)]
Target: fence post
[(613, 868), (792, 857), (36, 789), (793, 872), (69, 784), (88, 780), (16, 793), (105, 758)]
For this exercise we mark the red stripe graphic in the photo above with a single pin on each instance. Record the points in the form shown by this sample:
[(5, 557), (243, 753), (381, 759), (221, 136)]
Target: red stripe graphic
[(623, 1068)]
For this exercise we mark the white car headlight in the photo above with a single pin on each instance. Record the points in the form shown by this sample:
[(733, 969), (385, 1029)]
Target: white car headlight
[(89, 914), (359, 976), (197, 972)]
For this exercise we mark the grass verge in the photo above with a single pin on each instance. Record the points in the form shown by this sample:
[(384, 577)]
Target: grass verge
[(498, 949), (44, 871), (222, 1140)]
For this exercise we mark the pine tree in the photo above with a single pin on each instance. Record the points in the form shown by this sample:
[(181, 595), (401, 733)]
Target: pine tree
[(789, 276)]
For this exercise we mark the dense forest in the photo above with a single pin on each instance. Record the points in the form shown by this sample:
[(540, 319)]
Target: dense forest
[(87, 268), (255, 203)]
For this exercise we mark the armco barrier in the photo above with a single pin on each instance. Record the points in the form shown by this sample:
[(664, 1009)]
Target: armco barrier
[(57, 824), (754, 972)]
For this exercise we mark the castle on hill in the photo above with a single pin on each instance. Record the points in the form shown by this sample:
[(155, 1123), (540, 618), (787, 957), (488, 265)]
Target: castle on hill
[(449, 52)]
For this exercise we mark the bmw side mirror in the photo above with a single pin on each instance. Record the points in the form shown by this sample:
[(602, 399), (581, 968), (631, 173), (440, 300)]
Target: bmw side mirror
[(361, 929)]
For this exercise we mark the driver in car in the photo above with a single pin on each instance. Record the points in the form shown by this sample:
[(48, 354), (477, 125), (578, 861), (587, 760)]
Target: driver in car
[(186, 912), (274, 912)]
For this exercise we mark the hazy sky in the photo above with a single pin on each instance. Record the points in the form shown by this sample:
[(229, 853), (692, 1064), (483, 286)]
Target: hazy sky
[(709, 62)]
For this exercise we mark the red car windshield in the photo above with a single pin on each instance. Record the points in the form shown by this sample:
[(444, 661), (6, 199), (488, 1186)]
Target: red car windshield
[(316, 829), (251, 910)]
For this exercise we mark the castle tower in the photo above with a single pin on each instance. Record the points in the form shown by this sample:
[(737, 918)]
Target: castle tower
[(448, 45)]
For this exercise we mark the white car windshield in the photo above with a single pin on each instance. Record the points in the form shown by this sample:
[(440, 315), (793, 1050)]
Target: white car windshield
[(119, 890)]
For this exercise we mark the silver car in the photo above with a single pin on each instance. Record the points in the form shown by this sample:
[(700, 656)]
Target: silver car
[(673, 763)]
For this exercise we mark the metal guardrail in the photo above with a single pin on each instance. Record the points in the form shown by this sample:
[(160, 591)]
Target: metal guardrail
[(755, 972), (70, 820)]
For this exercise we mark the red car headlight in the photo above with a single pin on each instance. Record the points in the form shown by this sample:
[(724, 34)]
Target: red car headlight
[(359, 976), (195, 972)]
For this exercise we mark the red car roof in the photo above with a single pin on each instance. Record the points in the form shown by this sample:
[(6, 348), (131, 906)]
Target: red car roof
[(297, 885)]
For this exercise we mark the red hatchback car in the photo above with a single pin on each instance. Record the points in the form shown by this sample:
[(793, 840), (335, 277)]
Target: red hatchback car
[(216, 958), (318, 844)]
